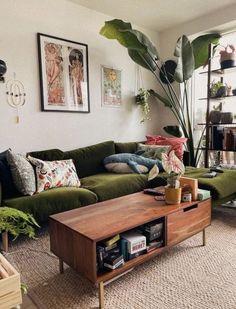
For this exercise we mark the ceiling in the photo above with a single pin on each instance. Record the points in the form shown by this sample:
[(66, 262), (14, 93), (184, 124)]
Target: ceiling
[(155, 14)]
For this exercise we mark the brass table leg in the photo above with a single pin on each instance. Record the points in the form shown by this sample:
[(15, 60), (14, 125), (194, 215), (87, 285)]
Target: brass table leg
[(204, 237), (5, 241), (101, 295), (61, 266)]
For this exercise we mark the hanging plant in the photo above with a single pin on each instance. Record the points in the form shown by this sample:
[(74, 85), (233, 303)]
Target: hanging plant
[(142, 100)]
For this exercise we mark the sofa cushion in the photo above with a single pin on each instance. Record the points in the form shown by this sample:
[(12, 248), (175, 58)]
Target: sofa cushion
[(52, 201), (89, 160), (8, 189), (48, 155), (22, 173), (221, 186), (109, 185)]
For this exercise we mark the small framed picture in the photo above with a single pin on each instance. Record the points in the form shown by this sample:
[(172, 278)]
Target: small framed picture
[(111, 87), (64, 79)]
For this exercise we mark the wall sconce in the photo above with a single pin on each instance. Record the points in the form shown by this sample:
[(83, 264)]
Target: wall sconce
[(3, 69)]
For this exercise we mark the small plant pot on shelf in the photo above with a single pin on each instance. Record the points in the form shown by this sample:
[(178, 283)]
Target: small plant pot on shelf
[(173, 195), (227, 57)]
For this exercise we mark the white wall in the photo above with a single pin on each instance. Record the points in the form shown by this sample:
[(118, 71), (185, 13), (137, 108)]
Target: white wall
[(20, 21), (221, 20)]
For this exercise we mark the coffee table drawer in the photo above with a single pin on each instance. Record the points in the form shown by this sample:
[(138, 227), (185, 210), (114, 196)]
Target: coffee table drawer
[(188, 221)]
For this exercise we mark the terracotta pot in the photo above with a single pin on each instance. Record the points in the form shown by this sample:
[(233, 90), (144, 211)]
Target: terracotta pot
[(173, 195)]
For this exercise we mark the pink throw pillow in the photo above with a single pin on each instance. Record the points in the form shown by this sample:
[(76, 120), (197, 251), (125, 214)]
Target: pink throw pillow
[(176, 143)]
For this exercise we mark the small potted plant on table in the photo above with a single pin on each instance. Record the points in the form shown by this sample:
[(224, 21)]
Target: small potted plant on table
[(175, 168)]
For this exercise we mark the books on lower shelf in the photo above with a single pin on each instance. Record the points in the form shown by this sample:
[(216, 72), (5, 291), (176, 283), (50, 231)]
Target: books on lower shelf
[(114, 252), (223, 138)]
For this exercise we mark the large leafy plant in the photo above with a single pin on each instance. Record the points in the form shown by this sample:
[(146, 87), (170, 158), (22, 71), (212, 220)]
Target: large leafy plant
[(190, 56), (17, 222)]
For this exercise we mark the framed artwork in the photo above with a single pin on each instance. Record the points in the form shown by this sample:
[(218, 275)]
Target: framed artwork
[(64, 82), (111, 87)]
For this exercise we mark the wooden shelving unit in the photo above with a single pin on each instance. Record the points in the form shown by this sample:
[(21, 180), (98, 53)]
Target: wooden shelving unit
[(210, 127)]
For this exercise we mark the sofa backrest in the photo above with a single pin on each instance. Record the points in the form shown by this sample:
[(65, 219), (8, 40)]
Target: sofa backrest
[(130, 147), (48, 155), (89, 160)]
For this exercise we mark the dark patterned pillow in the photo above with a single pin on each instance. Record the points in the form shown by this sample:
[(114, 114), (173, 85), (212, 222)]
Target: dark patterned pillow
[(22, 173), (8, 187)]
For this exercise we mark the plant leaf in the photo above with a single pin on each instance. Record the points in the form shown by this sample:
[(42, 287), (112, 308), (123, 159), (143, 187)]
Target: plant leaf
[(115, 29), (200, 47), (140, 48), (166, 102), (173, 130), (185, 64)]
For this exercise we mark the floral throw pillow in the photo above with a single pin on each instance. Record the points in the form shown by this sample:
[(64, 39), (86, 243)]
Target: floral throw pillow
[(53, 174), (152, 151)]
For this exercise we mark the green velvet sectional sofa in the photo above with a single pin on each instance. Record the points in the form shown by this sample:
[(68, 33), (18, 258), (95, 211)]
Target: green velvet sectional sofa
[(99, 185)]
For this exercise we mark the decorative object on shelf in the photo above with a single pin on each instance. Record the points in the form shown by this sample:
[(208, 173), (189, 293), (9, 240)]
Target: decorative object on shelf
[(111, 87), (190, 56), (141, 99), (215, 116), (227, 57), (3, 70), (15, 93), (227, 117), (167, 71), (64, 80), (175, 168), (218, 89), (228, 90)]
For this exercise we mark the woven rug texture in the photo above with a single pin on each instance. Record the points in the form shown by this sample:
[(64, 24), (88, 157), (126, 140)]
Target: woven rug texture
[(187, 276)]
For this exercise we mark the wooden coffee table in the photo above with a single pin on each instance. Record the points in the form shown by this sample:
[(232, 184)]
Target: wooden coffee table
[(75, 233)]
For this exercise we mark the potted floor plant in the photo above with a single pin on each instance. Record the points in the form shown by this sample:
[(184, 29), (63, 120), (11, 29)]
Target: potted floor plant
[(190, 55), (175, 168), (15, 222)]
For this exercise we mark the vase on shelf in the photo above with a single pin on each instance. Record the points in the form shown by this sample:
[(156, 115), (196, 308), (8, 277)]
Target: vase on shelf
[(227, 57), (215, 117)]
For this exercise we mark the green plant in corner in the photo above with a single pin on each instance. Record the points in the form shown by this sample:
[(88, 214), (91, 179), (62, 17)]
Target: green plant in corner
[(190, 56)]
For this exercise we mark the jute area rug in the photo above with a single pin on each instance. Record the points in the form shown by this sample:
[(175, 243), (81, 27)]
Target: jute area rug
[(186, 276)]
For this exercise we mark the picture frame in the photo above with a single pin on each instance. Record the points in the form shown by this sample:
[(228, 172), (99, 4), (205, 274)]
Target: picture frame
[(111, 86), (64, 76)]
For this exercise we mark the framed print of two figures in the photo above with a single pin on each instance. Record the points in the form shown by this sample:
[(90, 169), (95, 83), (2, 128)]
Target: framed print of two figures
[(63, 75)]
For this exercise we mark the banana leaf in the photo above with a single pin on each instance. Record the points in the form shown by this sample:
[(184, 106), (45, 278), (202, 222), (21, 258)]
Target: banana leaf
[(173, 130), (185, 64), (200, 48), (140, 48)]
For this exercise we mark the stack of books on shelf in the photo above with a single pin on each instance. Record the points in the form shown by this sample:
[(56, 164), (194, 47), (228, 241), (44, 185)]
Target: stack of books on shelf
[(114, 252), (109, 254), (223, 138)]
